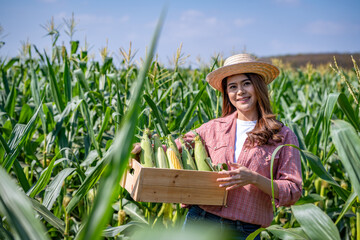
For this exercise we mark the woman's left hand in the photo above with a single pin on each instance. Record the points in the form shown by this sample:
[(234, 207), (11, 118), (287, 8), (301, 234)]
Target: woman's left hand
[(238, 177)]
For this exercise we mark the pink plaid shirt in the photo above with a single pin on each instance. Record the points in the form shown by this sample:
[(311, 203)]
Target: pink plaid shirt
[(250, 204)]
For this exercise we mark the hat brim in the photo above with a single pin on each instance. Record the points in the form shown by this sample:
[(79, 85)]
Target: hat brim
[(267, 71)]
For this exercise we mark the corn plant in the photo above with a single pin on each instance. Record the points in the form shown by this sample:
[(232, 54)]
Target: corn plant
[(67, 124)]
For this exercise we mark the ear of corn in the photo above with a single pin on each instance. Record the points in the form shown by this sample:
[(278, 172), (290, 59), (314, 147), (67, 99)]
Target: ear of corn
[(161, 159), (187, 159), (174, 161), (171, 144), (160, 156), (147, 157), (201, 155), (157, 142)]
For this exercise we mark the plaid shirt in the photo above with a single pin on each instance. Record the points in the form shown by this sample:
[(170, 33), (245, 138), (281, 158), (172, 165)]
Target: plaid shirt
[(250, 204)]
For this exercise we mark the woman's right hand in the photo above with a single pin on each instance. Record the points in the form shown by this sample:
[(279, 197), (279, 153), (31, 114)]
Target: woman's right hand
[(136, 150)]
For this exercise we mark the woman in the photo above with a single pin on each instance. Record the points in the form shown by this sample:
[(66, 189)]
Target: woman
[(244, 138)]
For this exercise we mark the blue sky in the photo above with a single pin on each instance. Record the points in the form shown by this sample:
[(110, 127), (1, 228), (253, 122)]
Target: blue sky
[(260, 27)]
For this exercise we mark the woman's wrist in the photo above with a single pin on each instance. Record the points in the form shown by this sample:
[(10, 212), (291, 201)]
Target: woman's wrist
[(255, 179)]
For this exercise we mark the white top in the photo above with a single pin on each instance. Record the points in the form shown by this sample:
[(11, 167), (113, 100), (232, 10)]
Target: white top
[(242, 127)]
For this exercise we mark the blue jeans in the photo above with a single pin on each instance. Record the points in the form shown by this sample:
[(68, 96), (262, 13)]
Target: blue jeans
[(236, 230)]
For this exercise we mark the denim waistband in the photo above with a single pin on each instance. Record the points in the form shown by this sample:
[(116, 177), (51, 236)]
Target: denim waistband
[(215, 218)]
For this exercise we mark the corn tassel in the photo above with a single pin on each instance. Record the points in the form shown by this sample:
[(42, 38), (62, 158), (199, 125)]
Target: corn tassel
[(147, 157), (187, 160), (174, 161), (200, 155)]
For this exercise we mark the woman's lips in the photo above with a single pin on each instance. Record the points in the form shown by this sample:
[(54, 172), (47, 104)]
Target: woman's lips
[(243, 100)]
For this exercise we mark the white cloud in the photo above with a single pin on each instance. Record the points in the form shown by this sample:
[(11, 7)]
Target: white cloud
[(193, 23), (87, 19), (325, 28), (191, 14), (243, 22)]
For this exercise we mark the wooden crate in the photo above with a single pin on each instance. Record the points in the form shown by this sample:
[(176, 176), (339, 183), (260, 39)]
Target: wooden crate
[(173, 186)]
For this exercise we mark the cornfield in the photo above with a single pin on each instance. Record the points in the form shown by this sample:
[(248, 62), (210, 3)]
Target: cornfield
[(67, 126)]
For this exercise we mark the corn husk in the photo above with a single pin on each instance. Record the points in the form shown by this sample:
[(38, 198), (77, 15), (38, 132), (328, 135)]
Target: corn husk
[(161, 160), (147, 156), (187, 159), (201, 155), (171, 144)]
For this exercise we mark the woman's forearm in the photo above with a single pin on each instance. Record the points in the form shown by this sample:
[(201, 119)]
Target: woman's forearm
[(264, 184)]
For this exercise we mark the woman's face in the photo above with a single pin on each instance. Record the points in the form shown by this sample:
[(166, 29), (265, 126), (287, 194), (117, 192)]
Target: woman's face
[(241, 93)]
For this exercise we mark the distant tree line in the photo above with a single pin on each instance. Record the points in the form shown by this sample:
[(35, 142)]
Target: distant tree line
[(300, 60)]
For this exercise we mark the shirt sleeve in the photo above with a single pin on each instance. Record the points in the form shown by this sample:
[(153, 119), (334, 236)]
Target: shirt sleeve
[(189, 136), (288, 176)]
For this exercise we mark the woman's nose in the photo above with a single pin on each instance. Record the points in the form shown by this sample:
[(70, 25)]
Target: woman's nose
[(240, 90)]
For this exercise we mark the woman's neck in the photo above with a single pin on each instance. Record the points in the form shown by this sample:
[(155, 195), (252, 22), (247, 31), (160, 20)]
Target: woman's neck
[(252, 116)]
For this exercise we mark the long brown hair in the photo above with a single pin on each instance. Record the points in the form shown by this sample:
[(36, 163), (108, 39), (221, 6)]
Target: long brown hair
[(267, 127)]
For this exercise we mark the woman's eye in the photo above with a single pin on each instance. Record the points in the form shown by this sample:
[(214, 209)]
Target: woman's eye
[(247, 83)]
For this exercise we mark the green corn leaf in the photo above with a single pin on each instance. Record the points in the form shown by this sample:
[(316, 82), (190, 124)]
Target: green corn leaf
[(43, 179), (74, 46), (11, 63), (5, 145), (289, 234), (72, 106), (157, 114), (312, 139), (347, 142), (122, 146), (349, 111), (5, 234), (81, 79), (114, 231), (348, 204), (136, 213), (18, 210), (104, 124), (254, 234), (311, 198), (57, 96), (11, 101), (89, 182), (89, 124), (67, 81), (48, 216), (52, 191), (35, 92), (21, 139), (318, 168), (5, 82), (165, 95), (19, 171), (190, 111), (25, 114), (315, 223)]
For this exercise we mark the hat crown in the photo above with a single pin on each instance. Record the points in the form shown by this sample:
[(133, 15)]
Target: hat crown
[(239, 58)]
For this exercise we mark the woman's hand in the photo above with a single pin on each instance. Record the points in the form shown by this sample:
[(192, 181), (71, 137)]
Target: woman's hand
[(136, 148), (136, 151), (242, 176), (238, 177)]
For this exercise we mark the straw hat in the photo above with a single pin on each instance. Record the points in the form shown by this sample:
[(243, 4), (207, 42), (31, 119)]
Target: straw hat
[(238, 64)]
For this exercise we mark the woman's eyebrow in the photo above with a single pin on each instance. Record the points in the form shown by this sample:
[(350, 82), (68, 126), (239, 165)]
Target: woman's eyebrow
[(246, 79)]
